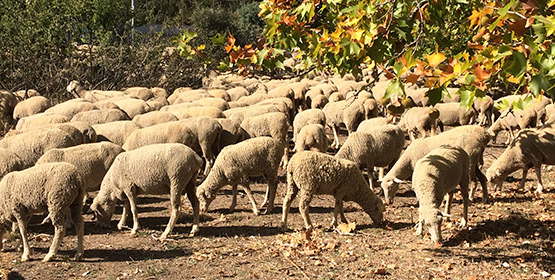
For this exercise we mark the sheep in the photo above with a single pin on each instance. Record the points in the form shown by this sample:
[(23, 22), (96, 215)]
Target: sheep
[(220, 93), (421, 119), (188, 96), (152, 118), (350, 113), (100, 116), (77, 90), (237, 92), (8, 101), (310, 94), (312, 137), (327, 89), (154, 169), (106, 104), (319, 101), (318, 173), (115, 132), (371, 123), (485, 109), (452, 114), (89, 134), (139, 92), (377, 147), (9, 161), (299, 89), (92, 161), (155, 104), (31, 106), (550, 113), (232, 132), (513, 120), (274, 125), (171, 132), (539, 106), (285, 106), (252, 99), (236, 163), (242, 113), (31, 145), (133, 107), (310, 116), (207, 132), (55, 187), (27, 93), (434, 176), (39, 120), (211, 102), (70, 108), (212, 112), (336, 96), (79, 132), (371, 109), (159, 92), (471, 138), (531, 148)]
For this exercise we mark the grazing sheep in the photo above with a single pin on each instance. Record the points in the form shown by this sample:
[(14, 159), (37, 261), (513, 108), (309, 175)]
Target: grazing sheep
[(349, 113), (171, 132), (187, 96), (31, 145), (92, 161), (219, 93), (274, 125), (100, 116), (9, 161), (318, 173), (70, 108), (420, 119), (155, 104), (252, 99), (434, 176), (306, 117), (236, 93), (8, 101), (531, 148), (154, 117), (471, 138), (371, 123), (285, 106), (452, 114), (377, 147), (28, 93), (211, 102), (312, 137), (79, 132), (31, 106), (39, 120), (53, 187), (115, 132), (236, 163), (232, 132), (319, 101), (211, 112), (327, 89), (155, 169), (207, 133), (133, 107), (299, 89), (89, 134), (242, 113), (106, 104), (371, 109), (513, 120), (159, 92)]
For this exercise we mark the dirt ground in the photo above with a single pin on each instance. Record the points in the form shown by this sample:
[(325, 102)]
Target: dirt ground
[(511, 237)]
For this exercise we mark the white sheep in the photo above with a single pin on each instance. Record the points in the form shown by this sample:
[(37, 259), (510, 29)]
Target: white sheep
[(92, 161), (133, 107), (349, 113), (531, 147), (315, 173), (207, 132), (171, 132), (373, 122), (232, 132), (312, 137), (70, 108), (31, 106), (274, 125), (471, 138), (485, 110), (154, 117), (435, 175), (310, 116), (211, 102), (452, 114), (420, 119), (139, 92), (77, 90), (115, 132), (377, 147), (53, 187), (154, 169), (236, 163), (100, 116), (319, 101), (513, 120), (39, 120), (155, 104), (9, 161)]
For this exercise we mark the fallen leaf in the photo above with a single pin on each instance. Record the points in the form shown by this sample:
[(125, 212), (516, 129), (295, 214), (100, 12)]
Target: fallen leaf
[(447, 266), (380, 271), (428, 259), (392, 266), (331, 245), (347, 228)]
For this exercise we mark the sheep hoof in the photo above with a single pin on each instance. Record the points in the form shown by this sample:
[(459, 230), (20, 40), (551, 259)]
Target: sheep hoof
[(48, 258), (78, 256), (256, 213), (25, 258), (194, 231)]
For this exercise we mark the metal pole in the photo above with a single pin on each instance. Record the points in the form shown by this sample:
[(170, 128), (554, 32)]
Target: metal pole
[(133, 19)]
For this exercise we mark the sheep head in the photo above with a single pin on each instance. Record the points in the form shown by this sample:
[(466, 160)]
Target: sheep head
[(204, 198), (103, 208), (390, 188), (432, 221)]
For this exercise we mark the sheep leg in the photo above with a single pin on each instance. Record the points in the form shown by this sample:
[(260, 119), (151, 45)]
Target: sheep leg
[(411, 135), (510, 138), (191, 194), (448, 202), (175, 203), (464, 191), (523, 180), (126, 210), (304, 204), (233, 198), (58, 234), (335, 143), (338, 212), (131, 197), (22, 224), (247, 189), (208, 157), (77, 219), (538, 169), (292, 191), (419, 224), (484, 183), (272, 188)]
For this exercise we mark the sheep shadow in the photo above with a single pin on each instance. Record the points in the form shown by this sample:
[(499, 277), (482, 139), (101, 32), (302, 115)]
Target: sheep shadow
[(120, 255), (240, 231)]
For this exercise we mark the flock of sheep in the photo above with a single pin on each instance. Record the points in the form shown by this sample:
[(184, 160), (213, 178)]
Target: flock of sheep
[(122, 144)]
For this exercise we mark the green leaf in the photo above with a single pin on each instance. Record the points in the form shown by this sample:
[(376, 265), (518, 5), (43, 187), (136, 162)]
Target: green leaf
[(538, 83), (435, 95), (516, 64), (467, 97), (503, 105), (219, 39), (394, 87)]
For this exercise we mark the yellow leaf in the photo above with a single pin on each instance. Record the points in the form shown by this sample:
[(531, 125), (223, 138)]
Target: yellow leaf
[(551, 3), (357, 35), (346, 228), (435, 59), (337, 33), (201, 47)]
